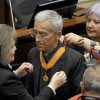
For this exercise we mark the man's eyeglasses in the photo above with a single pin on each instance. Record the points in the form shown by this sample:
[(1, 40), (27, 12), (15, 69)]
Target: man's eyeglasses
[(39, 34)]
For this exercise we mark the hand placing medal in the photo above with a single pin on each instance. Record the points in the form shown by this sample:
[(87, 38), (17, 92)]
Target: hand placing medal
[(58, 79)]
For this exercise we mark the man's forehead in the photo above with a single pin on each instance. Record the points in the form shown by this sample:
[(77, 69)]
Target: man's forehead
[(45, 21), (45, 25)]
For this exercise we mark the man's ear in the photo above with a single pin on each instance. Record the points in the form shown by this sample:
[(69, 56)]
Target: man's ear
[(82, 87), (58, 35)]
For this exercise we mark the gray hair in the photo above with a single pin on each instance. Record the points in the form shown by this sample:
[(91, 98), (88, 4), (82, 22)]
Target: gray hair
[(95, 8), (91, 78), (6, 32), (53, 17)]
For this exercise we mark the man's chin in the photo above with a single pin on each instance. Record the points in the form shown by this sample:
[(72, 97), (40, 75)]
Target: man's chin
[(40, 49)]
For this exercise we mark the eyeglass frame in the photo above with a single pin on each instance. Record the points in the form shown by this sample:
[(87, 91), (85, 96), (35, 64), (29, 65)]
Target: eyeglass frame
[(42, 35)]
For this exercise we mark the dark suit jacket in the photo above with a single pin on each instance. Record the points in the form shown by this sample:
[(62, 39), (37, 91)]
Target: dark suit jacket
[(11, 87), (71, 62)]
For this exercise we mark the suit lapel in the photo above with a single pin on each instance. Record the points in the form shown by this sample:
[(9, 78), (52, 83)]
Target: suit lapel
[(58, 66), (37, 73)]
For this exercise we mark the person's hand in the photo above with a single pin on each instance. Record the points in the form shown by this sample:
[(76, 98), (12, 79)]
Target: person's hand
[(24, 69), (71, 38), (58, 79)]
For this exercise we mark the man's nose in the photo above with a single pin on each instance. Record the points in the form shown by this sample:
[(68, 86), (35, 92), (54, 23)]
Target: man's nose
[(38, 37)]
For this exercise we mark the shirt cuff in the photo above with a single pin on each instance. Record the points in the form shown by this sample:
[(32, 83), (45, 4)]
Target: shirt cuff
[(14, 72), (52, 90)]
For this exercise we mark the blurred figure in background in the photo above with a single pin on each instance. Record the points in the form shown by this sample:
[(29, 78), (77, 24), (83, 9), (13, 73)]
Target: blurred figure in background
[(90, 86)]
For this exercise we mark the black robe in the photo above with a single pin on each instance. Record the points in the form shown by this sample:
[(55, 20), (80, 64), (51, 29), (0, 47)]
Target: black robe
[(71, 62)]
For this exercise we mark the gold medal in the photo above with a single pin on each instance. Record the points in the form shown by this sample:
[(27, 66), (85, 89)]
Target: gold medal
[(51, 63), (45, 78)]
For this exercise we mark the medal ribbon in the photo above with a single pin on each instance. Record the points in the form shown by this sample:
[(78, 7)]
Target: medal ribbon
[(53, 60)]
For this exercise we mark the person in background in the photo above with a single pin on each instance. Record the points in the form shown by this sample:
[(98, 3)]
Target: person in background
[(50, 56), (92, 45), (11, 87), (90, 86)]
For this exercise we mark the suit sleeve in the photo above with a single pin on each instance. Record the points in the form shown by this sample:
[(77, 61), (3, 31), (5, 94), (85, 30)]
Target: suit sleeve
[(15, 90)]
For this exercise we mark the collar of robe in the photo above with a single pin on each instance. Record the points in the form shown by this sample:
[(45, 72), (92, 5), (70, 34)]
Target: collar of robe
[(53, 60)]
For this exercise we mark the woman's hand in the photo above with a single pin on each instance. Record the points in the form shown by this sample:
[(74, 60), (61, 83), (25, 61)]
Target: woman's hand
[(58, 79), (24, 69), (71, 38)]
